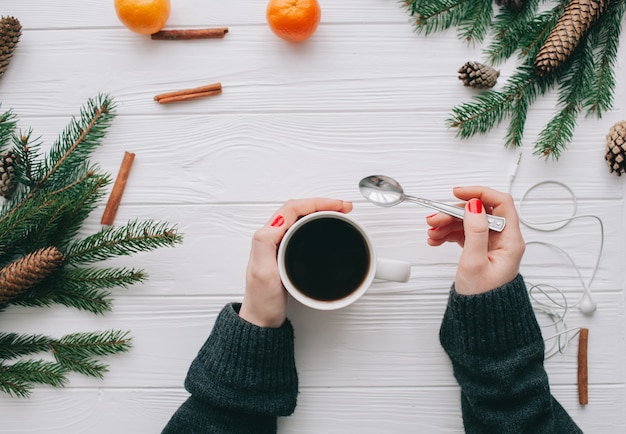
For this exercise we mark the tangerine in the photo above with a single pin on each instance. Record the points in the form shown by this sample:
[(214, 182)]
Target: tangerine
[(143, 16), (293, 20)]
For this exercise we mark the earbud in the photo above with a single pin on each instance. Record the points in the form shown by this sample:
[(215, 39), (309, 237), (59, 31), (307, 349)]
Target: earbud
[(587, 306)]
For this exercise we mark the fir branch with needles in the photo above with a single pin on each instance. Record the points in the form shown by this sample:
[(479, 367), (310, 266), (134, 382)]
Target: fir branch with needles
[(39, 239), (18, 378), (523, 32)]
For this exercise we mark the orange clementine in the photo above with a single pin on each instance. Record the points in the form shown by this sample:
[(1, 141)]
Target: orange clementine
[(293, 20), (143, 16)]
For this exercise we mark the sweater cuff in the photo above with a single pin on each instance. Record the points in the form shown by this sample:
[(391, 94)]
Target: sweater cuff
[(493, 322), (245, 366)]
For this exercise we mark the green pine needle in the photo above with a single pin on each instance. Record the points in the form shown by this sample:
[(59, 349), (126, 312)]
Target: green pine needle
[(509, 27), (605, 38), (13, 345), (77, 352), (7, 126), (126, 240), (477, 21), (437, 15), (553, 139), (66, 160), (83, 289), (60, 291), (17, 379)]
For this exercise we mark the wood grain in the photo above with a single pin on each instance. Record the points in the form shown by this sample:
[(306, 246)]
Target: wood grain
[(365, 95)]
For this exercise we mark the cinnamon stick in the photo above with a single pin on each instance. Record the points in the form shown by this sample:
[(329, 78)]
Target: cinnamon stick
[(187, 97), (583, 379), (196, 90), (172, 35), (118, 190)]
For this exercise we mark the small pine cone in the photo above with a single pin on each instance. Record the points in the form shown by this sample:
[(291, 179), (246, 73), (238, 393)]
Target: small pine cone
[(577, 19), (10, 32), (512, 5), (616, 148), (7, 167), (477, 75), (27, 271)]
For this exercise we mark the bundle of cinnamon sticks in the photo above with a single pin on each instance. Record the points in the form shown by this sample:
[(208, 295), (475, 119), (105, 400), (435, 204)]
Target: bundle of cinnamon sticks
[(188, 94)]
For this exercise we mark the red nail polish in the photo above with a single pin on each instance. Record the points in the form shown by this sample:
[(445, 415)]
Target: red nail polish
[(475, 206), (278, 221), (432, 215)]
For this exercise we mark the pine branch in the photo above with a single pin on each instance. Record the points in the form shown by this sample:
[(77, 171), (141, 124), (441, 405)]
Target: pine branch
[(476, 22), (436, 15), (515, 131), (13, 345), (508, 28), (69, 294), (80, 288), (103, 277), (22, 220), (17, 379), (490, 108), (538, 30), (7, 127), (553, 139), (77, 352), (76, 143), (111, 241), (76, 201), (605, 35), (27, 150)]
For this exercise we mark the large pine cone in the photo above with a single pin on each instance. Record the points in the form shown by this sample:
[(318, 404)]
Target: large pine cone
[(616, 148), (7, 166), (478, 75), (26, 272), (10, 32), (577, 18)]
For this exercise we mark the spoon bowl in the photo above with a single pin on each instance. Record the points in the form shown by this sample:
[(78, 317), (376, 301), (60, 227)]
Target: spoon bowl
[(385, 191)]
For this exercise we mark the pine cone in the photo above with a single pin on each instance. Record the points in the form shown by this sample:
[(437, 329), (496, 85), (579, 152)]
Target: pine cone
[(616, 148), (7, 166), (577, 18), (10, 31), (512, 5), (477, 75), (24, 273)]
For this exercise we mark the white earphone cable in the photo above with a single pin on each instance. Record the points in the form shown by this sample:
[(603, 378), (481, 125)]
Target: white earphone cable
[(548, 299)]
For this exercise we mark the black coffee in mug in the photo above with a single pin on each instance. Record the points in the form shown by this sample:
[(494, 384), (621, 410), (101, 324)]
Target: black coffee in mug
[(327, 259)]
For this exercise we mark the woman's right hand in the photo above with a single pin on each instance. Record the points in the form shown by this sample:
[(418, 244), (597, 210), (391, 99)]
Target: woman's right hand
[(489, 259)]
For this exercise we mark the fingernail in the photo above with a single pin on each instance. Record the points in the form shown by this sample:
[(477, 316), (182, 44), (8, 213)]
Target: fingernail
[(433, 229), (278, 221), (475, 206), (432, 215)]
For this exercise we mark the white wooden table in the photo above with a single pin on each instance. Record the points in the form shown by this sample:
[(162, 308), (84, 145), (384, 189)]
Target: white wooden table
[(365, 95)]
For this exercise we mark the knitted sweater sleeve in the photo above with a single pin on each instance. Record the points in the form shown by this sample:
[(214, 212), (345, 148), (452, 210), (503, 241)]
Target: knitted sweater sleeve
[(242, 379), (497, 353)]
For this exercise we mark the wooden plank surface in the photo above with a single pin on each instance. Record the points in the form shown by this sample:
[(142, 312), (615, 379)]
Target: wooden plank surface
[(365, 95)]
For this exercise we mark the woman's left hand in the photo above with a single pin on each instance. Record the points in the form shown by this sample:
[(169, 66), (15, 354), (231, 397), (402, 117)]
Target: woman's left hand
[(265, 299)]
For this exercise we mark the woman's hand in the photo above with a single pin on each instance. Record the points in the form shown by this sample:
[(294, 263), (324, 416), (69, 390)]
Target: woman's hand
[(489, 259), (265, 299)]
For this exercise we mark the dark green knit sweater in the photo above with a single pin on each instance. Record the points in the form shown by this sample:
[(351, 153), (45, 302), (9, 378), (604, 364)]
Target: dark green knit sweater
[(244, 376)]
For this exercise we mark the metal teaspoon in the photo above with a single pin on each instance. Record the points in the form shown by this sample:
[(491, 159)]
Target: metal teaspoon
[(385, 191)]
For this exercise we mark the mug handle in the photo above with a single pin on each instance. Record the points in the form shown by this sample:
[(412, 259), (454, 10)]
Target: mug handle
[(391, 269)]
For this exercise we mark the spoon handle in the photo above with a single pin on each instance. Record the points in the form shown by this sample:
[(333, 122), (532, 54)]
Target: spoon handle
[(495, 223)]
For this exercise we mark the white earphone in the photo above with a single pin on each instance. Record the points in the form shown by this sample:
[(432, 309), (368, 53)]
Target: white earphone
[(551, 300)]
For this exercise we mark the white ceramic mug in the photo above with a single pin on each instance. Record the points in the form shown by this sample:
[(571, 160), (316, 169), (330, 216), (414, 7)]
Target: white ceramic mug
[(329, 243)]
